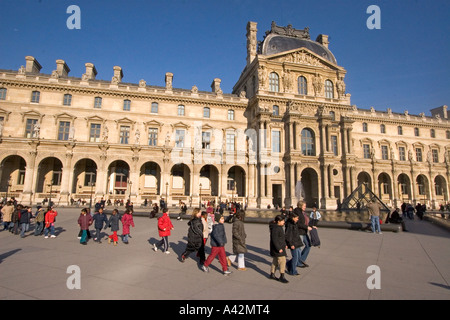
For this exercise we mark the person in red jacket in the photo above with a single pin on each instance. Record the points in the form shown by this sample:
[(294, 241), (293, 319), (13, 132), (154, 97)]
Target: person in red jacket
[(164, 227), (50, 218), (127, 221)]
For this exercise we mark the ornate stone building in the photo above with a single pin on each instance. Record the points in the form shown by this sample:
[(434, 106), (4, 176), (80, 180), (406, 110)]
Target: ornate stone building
[(288, 119)]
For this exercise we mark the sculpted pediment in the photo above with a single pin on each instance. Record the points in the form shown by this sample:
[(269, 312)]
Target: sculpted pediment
[(302, 56)]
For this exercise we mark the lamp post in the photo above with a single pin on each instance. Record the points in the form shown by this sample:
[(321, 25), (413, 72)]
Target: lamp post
[(129, 195), (200, 197), (7, 189), (92, 184), (50, 198), (167, 194)]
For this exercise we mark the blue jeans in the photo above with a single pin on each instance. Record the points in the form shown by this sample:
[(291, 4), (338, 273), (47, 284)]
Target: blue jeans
[(295, 262), (51, 229), (305, 251), (375, 223), (38, 228), (83, 236), (23, 228)]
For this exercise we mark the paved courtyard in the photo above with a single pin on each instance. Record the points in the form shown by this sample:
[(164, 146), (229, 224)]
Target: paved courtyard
[(413, 265)]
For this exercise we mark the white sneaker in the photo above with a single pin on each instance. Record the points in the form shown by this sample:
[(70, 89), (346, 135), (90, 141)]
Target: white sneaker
[(167, 252), (52, 236), (205, 269), (227, 272), (46, 237), (155, 248)]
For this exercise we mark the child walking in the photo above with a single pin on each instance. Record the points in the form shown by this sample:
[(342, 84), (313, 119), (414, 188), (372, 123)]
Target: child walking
[(100, 220), (218, 241), (164, 227), (278, 248), (84, 221), (113, 223), (127, 221)]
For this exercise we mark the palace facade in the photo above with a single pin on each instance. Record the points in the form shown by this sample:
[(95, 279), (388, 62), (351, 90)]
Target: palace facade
[(288, 119)]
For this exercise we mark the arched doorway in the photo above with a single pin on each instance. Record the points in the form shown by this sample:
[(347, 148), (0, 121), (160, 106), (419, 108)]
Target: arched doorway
[(84, 178), (209, 179), (310, 182), (384, 187), (150, 180), (12, 176), (236, 183), (440, 188), (365, 180), (180, 180), (118, 180), (49, 177), (423, 188), (404, 187)]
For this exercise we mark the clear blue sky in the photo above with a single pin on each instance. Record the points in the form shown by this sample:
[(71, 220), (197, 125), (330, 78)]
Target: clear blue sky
[(404, 65)]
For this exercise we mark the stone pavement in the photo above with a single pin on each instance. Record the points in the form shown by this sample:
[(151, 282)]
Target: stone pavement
[(413, 265)]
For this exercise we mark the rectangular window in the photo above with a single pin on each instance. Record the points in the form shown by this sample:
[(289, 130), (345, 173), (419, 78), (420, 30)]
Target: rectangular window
[(206, 140), (366, 151), (29, 128), (206, 112), (90, 179), (230, 141), (400, 130), (94, 133), (57, 175), (418, 155), (276, 141), (385, 187), (98, 102), (35, 96), (384, 153), (435, 155), (21, 177), (230, 114), (179, 138), (126, 105), (152, 136), (180, 110), (334, 145), (154, 107), (124, 134), (2, 94), (63, 130), (67, 100), (402, 153)]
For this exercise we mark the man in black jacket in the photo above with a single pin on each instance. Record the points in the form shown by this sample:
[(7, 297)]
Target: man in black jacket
[(294, 242), (303, 227)]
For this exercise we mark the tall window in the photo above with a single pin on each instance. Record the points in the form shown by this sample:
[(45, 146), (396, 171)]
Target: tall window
[(334, 145), (230, 141), (447, 134), (400, 130), (329, 92), (276, 141), (180, 110), (230, 114), (308, 147), (382, 128), (154, 108), (435, 155), (98, 102), (418, 154), (63, 130), (126, 105), (274, 82), (67, 99), (179, 138), (94, 133), (402, 153), (416, 132), (35, 96), (206, 140), (432, 133), (124, 134), (276, 110), (384, 153), (29, 128), (366, 151), (152, 136), (206, 112), (2, 93), (302, 86), (365, 127)]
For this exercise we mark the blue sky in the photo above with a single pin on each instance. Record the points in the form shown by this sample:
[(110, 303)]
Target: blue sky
[(404, 65)]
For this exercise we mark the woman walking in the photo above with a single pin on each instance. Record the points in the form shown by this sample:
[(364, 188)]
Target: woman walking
[(195, 236), (238, 240)]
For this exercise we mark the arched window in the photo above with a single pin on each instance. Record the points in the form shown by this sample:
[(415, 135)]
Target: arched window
[(302, 86), (308, 145), (329, 91), (274, 82)]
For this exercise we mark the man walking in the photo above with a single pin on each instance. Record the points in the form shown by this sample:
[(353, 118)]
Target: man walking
[(374, 211)]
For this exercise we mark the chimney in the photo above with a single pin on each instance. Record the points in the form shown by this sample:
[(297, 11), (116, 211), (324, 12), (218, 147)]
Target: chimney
[(32, 65), (91, 72), (118, 73), (251, 41), (323, 40), (62, 68), (215, 85)]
